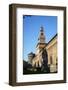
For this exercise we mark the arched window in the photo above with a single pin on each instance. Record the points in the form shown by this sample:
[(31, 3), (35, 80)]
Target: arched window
[(51, 60), (41, 33)]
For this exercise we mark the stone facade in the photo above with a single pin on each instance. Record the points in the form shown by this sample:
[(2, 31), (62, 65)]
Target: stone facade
[(52, 54), (46, 53)]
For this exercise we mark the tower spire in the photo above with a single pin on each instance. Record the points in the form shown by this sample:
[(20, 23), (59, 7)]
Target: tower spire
[(41, 38), (41, 41), (41, 28)]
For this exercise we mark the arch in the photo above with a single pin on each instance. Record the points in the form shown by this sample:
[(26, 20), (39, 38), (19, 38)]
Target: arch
[(51, 60), (35, 64), (45, 57)]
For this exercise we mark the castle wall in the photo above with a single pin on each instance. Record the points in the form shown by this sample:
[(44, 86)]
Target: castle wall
[(52, 54)]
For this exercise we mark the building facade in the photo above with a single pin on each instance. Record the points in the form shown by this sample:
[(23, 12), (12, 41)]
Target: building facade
[(46, 53)]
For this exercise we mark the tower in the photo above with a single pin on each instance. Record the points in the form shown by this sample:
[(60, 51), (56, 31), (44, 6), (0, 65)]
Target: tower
[(41, 41), (30, 57)]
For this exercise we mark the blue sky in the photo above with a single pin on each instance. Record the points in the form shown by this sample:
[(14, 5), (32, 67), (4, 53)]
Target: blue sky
[(32, 26)]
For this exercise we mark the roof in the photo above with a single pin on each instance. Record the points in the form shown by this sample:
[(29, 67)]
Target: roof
[(31, 54), (51, 39)]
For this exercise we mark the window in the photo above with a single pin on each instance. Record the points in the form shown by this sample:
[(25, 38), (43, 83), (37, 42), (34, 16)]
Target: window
[(41, 33)]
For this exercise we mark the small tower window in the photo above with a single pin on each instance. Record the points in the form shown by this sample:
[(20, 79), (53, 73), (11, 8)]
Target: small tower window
[(41, 33)]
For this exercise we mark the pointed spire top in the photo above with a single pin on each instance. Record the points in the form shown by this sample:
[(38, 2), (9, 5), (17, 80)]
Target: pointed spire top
[(41, 28)]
